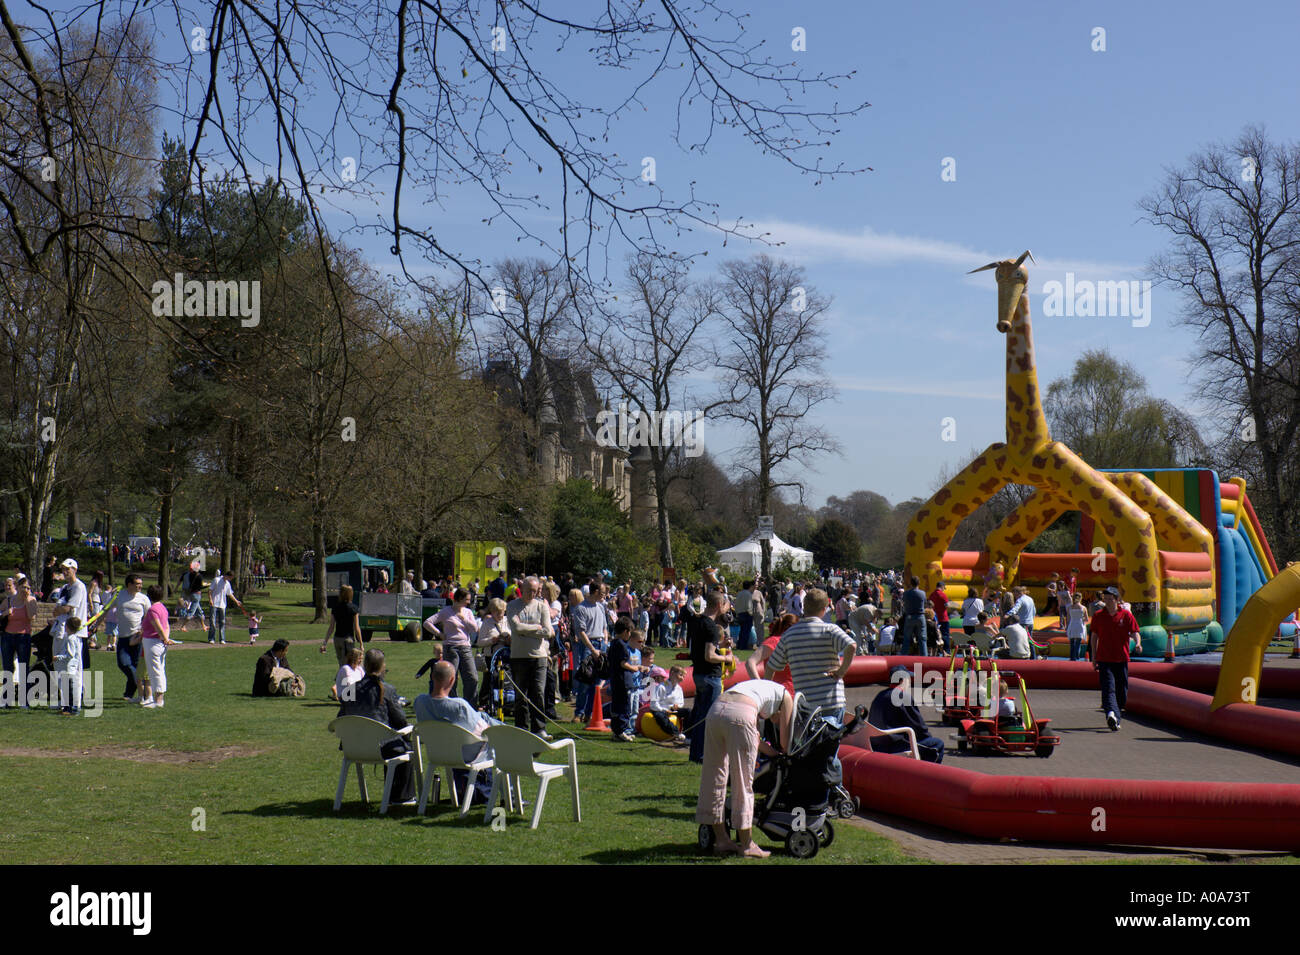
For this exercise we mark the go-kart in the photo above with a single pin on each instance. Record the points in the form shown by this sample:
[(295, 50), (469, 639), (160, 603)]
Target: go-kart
[(1017, 733)]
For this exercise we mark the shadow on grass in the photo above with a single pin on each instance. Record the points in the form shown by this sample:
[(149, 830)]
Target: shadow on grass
[(352, 808), (618, 762), (661, 813), (665, 852)]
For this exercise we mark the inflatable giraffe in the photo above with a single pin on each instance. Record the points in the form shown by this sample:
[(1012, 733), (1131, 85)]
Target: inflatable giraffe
[(1030, 456)]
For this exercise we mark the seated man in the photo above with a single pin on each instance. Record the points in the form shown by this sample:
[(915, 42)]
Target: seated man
[(893, 708), (266, 681), (1013, 639), (441, 705)]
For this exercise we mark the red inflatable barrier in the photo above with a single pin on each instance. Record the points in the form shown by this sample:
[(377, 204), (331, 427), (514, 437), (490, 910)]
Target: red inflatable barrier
[(1088, 811), (1259, 727)]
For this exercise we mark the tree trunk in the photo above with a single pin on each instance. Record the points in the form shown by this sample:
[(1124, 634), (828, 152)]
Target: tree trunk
[(318, 571), (164, 534), (400, 570), (419, 560), (658, 467), (108, 544), (74, 522), (227, 531)]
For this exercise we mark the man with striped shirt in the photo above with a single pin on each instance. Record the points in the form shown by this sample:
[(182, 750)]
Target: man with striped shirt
[(818, 654)]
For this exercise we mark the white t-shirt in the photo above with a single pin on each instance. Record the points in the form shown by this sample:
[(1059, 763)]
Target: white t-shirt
[(970, 612), (663, 697), (76, 599), (346, 677), (886, 637), (131, 611), (1017, 641), (765, 693), (221, 589)]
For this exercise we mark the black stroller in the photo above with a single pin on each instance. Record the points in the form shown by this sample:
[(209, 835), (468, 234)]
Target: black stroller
[(797, 793)]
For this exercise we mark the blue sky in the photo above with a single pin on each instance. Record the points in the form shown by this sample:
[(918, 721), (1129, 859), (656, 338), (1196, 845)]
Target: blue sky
[(1054, 145)]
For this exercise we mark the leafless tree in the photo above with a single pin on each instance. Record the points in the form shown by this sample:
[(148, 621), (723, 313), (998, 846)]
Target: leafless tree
[(1233, 213), (649, 349), (770, 366)]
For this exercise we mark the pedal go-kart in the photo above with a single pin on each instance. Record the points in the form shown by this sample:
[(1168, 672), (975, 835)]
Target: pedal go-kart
[(961, 687), (1017, 733)]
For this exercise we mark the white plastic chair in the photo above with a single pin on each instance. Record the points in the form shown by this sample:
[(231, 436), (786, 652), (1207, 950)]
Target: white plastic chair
[(442, 744), (362, 739), (906, 731), (515, 749)]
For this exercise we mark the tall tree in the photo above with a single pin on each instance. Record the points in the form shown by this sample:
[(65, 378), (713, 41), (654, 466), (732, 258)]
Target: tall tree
[(1233, 215), (1103, 412), (649, 350), (771, 373)]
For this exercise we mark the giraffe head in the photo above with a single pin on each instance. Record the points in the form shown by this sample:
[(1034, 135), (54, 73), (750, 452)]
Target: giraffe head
[(1012, 278)]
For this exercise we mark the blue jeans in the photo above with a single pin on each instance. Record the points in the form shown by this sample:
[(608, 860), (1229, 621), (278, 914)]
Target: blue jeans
[(462, 659), (218, 625), (666, 632), (621, 710), (746, 621), (707, 691), (1114, 686), (128, 658), (914, 637), (15, 658), (1076, 648), (582, 692)]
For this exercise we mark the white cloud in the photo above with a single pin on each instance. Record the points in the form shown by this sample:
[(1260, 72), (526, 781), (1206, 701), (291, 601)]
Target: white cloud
[(888, 248)]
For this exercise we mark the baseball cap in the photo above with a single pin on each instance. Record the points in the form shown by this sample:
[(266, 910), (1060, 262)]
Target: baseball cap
[(1113, 591), (69, 563)]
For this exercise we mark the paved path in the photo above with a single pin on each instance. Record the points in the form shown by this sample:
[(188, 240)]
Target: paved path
[(1142, 749)]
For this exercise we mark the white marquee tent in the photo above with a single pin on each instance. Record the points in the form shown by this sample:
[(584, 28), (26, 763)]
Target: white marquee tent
[(748, 554)]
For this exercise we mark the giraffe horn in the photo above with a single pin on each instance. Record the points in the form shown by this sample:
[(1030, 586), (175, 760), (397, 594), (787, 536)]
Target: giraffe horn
[(1027, 255), (983, 268)]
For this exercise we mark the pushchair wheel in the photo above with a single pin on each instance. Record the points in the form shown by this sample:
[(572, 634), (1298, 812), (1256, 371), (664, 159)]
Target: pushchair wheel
[(705, 837), (802, 844), (846, 807), (826, 835)]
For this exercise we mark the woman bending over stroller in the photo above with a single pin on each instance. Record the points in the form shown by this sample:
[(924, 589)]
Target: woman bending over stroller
[(731, 744)]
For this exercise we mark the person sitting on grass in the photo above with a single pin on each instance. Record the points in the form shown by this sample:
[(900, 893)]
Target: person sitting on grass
[(266, 679), (666, 699)]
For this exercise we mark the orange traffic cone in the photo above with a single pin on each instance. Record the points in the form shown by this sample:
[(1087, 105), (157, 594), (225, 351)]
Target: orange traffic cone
[(596, 723)]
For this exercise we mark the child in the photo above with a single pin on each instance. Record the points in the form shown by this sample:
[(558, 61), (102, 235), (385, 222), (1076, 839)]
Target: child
[(1076, 624), (1007, 712), (351, 672), (254, 624), (428, 665), (666, 699), (887, 634)]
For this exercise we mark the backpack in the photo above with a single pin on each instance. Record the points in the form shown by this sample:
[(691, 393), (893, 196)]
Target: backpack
[(593, 669)]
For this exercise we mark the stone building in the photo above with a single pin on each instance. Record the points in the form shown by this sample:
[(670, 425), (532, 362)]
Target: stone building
[(567, 406)]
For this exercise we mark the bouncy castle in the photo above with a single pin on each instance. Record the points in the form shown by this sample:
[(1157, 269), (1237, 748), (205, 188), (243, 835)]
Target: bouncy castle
[(1185, 549)]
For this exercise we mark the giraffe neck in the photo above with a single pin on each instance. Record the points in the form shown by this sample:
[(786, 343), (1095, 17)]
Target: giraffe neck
[(1026, 424)]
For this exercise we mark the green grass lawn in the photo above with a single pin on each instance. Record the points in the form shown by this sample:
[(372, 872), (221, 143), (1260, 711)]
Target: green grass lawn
[(130, 784)]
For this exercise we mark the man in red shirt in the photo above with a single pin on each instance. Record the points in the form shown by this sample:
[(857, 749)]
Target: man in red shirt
[(939, 601), (1112, 627)]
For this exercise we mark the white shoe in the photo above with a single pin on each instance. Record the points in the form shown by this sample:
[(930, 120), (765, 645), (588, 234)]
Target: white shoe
[(149, 705), (1112, 721)]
